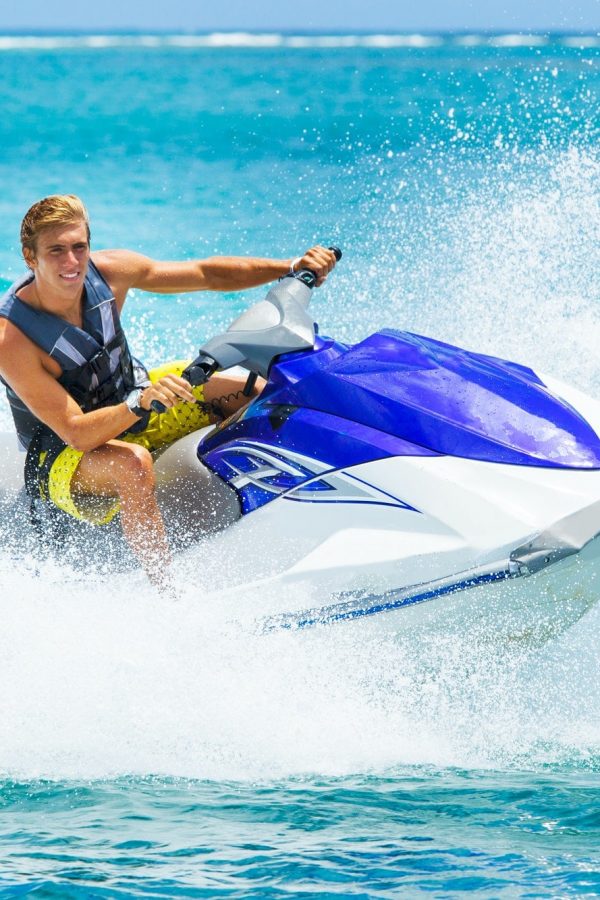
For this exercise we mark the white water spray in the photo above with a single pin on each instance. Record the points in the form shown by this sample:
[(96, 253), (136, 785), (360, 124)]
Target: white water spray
[(100, 676)]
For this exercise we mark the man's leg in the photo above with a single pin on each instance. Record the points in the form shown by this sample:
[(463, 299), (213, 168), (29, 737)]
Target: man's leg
[(224, 394), (125, 471)]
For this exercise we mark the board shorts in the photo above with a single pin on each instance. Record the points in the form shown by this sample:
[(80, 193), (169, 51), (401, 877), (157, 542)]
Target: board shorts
[(162, 429)]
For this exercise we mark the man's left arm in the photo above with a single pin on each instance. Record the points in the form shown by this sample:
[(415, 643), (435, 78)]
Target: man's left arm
[(125, 269)]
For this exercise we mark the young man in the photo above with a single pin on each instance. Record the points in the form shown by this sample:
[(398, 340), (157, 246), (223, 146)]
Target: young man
[(81, 404)]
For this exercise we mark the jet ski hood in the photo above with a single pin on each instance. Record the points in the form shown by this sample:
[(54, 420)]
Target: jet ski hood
[(440, 397)]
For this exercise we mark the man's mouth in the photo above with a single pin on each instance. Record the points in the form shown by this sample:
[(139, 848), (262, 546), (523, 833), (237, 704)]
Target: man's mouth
[(72, 276)]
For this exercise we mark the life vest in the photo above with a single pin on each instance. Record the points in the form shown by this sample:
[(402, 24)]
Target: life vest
[(97, 366)]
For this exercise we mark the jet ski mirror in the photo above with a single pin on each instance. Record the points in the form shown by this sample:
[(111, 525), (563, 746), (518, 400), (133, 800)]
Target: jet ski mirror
[(276, 325)]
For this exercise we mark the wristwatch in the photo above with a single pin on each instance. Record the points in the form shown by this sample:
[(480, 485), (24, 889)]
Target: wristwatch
[(132, 402)]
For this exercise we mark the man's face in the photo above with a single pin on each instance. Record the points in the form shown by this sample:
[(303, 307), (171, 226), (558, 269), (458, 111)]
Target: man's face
[(62, 256)]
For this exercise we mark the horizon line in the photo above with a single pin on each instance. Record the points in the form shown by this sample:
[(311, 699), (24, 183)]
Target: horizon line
[(127, 31)]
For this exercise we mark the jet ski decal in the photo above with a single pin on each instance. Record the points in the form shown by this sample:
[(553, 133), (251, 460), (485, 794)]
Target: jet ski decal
[(259, 474)]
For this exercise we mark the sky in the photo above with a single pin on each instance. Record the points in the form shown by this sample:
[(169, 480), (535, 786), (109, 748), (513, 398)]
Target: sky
[(305, 15)]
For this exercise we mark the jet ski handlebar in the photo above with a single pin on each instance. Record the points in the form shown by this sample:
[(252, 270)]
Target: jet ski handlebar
[(278, 324)]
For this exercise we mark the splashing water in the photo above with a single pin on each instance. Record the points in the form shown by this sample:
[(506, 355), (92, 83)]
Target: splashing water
[(101, 679)]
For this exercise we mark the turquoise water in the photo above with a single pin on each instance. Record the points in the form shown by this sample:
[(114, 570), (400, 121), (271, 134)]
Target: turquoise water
[(360, 836), (152, 749)]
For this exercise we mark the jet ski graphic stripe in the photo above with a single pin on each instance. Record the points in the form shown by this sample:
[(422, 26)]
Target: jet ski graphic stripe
[(392, 600), (293, 476), (368, 494)]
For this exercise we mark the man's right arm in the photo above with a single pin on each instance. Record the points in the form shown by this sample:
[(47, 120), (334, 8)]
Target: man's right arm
[(22, 366)]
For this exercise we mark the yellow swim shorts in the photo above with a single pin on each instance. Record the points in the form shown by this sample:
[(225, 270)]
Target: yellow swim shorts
[(162, 429)]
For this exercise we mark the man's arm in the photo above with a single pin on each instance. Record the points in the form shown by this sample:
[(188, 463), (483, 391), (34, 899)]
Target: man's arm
[(22, 366), (125, 269)]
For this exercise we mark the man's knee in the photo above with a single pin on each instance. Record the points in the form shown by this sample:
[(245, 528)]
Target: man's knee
[(136, 469)]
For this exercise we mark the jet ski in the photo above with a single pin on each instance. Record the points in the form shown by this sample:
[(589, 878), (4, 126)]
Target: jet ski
[(400, 482)]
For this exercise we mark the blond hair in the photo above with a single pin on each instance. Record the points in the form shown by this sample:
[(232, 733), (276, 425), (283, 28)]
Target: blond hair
[(58, 209)]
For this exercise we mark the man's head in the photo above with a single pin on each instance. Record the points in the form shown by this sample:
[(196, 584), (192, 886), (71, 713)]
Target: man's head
[(59, 209)]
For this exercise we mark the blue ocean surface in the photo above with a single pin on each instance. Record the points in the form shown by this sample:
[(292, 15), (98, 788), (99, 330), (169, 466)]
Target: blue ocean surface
[(153, 749)]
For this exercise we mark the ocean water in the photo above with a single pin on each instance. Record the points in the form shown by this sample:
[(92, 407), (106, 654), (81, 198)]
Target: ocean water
[(156, 749)]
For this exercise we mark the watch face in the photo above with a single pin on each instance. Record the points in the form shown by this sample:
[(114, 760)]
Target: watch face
[(133, 400)]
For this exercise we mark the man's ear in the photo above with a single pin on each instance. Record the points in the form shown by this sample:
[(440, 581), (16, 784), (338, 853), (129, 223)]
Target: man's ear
[(29, 257)]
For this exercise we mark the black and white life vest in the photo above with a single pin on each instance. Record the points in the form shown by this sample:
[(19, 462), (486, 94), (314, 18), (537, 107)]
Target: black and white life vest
[(97, 366)]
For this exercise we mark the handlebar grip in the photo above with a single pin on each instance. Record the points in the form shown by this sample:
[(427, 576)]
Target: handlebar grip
[(158, 407), (307, 275)]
